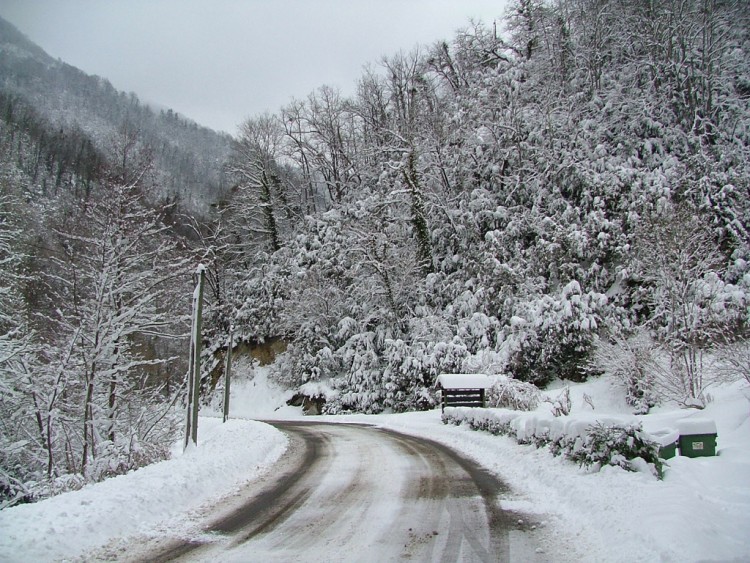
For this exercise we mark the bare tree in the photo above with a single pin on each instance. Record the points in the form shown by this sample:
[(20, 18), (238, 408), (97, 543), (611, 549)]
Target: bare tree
[(323, 135), (692, 309), (265, 199), (116, 282)]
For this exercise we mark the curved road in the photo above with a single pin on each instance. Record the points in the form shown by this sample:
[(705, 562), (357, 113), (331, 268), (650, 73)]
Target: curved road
[(355, 493)]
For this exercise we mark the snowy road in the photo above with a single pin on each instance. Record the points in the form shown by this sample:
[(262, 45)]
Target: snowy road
[(355, 493)]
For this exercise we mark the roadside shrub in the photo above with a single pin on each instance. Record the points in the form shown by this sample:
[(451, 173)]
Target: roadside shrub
[(496, 425), (617, 445), (633, 362), (592, 446), (509, 393), (561, 445), (562, 404)]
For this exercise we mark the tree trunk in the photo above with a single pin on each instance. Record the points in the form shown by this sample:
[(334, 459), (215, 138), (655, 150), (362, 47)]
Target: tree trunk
[(88, 422), (419, 222)]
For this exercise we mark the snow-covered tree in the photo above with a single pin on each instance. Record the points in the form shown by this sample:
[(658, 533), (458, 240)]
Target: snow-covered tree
[(692, 308), (115, 286), (634, 362), (264, 205), (486, 201), (16, 347)]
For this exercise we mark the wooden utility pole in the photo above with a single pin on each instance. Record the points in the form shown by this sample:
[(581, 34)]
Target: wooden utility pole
[(228, 373), (194, 373)]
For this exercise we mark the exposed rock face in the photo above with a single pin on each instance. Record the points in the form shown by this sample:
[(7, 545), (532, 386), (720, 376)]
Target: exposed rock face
[(310, 405), (264, 352)]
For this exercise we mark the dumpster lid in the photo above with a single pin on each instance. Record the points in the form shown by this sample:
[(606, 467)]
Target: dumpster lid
[(688, 426), (665, 437)]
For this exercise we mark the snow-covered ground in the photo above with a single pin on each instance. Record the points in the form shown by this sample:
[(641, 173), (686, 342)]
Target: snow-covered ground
[(145, 501), (699, 512)]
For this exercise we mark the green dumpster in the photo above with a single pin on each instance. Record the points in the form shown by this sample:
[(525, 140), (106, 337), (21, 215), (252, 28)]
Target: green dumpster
[(667, 439), (697, 437)]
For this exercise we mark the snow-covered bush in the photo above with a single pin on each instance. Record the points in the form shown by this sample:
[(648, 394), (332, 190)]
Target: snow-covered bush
[(299, 365), (617, 445), (733, 361), (509, 393), (561, 404), (117, 458), (631, 361), (486, 361), (552, 335), (498, 424), (591, 444), (44, 487), (13, 490), (558, 445), (410, 371), (361, 389)]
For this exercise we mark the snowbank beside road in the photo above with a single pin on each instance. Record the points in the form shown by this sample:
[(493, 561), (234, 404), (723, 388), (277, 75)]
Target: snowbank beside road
[(74, 523)]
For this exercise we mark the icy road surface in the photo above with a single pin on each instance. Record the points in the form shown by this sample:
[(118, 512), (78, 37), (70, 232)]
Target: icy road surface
[(354, 493)]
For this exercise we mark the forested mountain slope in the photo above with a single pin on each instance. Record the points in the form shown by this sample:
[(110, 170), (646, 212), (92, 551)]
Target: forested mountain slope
[(535, 202), (75, 115), (94, 298)]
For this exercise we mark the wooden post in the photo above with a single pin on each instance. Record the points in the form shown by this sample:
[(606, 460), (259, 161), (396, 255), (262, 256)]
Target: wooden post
[(194, 375), (189, 415), (197, 351), (228, 373)]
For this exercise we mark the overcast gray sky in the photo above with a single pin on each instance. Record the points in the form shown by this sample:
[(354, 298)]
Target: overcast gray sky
[(221, 61)]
